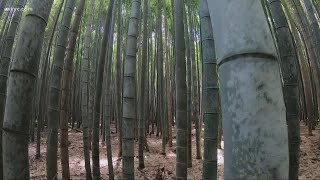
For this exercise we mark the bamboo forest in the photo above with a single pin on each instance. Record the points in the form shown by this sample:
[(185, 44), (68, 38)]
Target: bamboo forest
[(160, 89)]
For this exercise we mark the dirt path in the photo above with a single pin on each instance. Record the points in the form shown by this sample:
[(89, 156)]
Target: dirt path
[(155, 162)]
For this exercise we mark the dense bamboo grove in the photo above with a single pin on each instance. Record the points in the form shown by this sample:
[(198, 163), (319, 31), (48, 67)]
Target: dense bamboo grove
[(191, 74)]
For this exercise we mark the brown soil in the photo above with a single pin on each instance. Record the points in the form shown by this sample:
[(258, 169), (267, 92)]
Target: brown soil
[(309, 155), (158, 165)]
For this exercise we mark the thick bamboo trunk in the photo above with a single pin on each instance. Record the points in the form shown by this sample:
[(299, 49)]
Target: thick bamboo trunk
[(210, 98), (181, 92), (189, 97), (66, 94), (54, 96), (21, 85), (67, 81), (253, 110), (290, 71), (44, 79), (4, 68), (144, 75), (129, 99)]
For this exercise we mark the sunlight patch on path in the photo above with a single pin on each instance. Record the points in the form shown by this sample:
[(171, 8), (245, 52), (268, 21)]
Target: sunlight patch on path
[(220, 157)]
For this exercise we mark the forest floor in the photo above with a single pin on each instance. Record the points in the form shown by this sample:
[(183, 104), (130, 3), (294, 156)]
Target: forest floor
[(159, 166)]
